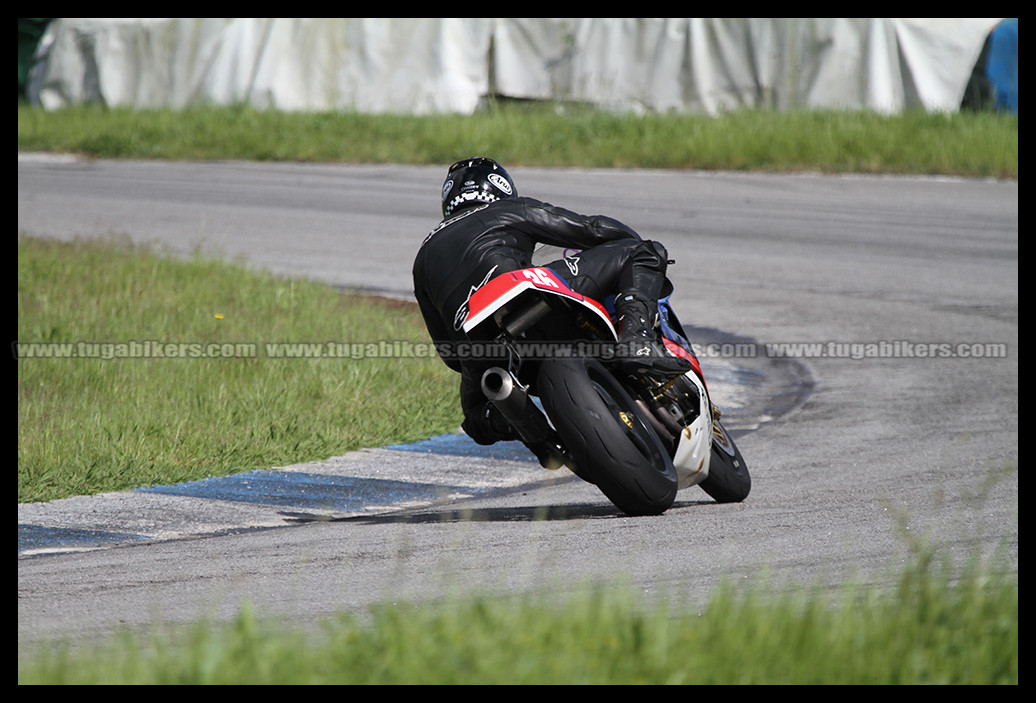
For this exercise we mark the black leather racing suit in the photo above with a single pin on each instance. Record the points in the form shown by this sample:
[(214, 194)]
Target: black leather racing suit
[(467, 250)]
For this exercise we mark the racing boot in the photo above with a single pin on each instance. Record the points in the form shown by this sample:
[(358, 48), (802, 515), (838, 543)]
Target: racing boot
[(486, 425), (639, 350)]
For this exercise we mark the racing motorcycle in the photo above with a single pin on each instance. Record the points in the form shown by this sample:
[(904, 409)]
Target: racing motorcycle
[(549, 355)]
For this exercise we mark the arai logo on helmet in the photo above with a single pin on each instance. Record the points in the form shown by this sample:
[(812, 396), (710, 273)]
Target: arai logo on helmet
[(446, 188), (500, 182)]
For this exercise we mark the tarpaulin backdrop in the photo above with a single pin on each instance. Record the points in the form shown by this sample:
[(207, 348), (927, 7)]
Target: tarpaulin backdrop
[(436, 65)]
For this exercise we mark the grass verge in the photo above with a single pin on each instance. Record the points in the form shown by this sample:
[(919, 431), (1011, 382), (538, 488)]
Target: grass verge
[(979, 144), (935, 629), (137, 367)]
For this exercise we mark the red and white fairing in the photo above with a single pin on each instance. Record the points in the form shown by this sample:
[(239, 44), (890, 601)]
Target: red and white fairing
[(507, 286)]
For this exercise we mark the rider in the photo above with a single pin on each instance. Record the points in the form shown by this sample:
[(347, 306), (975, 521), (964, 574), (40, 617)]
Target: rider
[(487, 230)]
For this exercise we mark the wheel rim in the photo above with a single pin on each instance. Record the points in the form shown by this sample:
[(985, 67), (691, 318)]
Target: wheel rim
[(631, 424)]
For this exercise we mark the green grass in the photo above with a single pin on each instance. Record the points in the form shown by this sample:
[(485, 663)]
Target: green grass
[(934, 629), (116, 420), (980, 144)]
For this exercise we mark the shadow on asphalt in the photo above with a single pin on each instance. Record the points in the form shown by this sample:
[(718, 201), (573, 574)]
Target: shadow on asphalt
[(568, 511)]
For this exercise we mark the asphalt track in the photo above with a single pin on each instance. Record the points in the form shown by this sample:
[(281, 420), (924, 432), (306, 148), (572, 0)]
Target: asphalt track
[(896, 423)]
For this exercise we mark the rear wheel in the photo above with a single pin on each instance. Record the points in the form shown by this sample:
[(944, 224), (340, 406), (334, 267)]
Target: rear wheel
[(608, 435), (728, 480)]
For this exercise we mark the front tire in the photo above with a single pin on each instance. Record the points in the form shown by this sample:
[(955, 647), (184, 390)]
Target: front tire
[(728, 480), (608, 436)]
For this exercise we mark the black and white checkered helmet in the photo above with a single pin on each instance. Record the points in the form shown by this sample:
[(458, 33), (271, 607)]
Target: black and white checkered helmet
[(473, 181)]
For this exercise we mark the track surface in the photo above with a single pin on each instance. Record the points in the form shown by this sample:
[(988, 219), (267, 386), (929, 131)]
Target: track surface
[(885, 449)]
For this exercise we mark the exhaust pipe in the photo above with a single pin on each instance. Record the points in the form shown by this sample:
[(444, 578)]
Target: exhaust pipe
[(509, 398), (531, 425)]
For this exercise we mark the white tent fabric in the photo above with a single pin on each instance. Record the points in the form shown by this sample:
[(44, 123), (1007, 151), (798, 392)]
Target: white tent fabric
[(443, 65)]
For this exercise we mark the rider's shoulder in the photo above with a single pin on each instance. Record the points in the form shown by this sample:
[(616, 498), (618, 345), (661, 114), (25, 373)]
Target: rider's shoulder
[(459, 217)]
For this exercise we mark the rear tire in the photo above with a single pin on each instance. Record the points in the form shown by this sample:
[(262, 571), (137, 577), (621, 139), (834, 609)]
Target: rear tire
[(728, 480), (608, 436)]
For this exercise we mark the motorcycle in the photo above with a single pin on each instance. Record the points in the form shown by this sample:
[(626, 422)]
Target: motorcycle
[(549, 356)]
